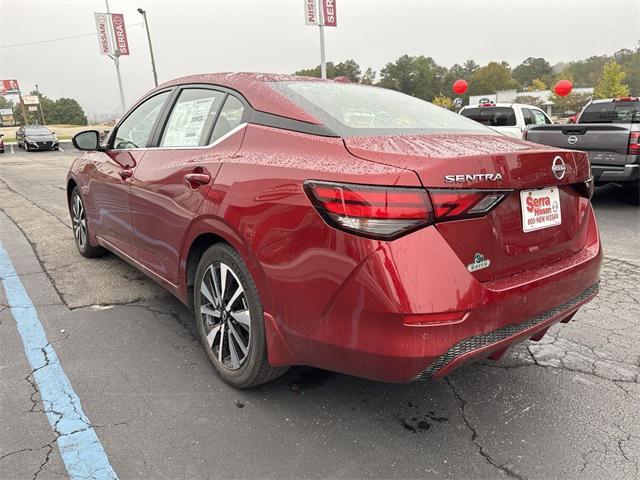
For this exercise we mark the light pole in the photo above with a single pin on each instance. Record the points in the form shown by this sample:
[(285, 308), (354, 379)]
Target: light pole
[(153, 60), (116, 61), (323, 61), (40, 105)]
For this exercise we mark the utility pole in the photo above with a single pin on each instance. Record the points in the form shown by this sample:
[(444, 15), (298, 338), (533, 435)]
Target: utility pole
[(116, 60), (40, 105), (153, 60), (323, 62)]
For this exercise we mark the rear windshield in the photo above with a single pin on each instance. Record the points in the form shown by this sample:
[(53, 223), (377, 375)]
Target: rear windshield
[(611, 112), (491, 116), (359, 110)]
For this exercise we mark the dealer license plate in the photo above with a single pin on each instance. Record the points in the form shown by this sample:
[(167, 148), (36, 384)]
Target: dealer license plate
[(540, 209)]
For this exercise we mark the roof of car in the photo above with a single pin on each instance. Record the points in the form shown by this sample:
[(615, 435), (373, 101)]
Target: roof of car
[(503, 105), (255, 89), (618, 99)]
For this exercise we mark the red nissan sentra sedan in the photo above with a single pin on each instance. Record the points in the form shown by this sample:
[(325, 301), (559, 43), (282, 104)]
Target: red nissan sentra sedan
[(341, 226)]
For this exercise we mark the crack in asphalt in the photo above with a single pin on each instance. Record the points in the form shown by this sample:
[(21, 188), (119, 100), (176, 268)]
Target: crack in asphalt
[(474, 436)]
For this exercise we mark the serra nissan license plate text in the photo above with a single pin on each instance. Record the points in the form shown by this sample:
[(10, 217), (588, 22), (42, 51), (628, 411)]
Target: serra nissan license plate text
[(540, 209)]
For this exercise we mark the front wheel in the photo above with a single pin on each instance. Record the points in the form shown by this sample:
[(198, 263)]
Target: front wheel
[(80, 227), (230, 319)]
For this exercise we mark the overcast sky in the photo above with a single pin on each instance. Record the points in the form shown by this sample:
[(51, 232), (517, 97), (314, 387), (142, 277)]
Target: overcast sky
[(270, 35)]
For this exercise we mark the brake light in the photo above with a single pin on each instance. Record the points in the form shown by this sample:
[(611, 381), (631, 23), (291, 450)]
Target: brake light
[(487, 104), (634, 143), (378, 212), (626, 99), (459, 204), (386, 213)]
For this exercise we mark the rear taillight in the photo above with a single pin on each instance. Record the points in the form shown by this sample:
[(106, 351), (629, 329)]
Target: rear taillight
[(634, 143), (386, 213), (524, 135), (376, 212), (459, 204)]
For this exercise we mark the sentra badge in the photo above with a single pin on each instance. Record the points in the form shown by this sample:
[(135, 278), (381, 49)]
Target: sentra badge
[(478, 263)]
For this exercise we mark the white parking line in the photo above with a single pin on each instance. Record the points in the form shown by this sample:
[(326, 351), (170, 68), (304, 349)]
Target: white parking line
[(11, 149), (61, 149)]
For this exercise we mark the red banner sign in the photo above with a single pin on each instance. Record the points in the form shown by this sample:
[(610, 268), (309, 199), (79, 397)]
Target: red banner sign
[(120, 33), (9, 87), (329, 13)]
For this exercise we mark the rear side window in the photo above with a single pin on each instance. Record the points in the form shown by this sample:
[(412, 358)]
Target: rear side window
[(135, 130), (611, 112), (192, 118), (527, 115), (230, 117), (492, 116), (539, 118)]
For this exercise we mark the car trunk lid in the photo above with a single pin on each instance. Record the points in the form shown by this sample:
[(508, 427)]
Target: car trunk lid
[(487, 162)]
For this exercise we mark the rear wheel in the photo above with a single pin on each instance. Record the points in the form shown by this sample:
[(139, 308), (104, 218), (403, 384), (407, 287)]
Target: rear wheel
[(230, 319), (80, 227)]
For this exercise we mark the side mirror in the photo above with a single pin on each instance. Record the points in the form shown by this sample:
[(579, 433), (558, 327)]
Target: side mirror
[(87, 140)]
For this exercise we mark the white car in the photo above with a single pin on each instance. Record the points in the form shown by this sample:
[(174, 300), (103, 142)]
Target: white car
[(507, 118)]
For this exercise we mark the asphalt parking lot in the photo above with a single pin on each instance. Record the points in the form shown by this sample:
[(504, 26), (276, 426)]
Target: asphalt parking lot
[(566, 407)]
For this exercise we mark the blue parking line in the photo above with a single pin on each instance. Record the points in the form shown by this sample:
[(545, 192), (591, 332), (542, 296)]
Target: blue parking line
[(81, 451)]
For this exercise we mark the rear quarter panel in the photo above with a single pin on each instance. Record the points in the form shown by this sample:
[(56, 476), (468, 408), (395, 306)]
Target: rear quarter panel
[(258, 199)]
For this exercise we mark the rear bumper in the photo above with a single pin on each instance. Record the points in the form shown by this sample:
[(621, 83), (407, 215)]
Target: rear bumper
[(383, 322), (485, 344), (615, 173)]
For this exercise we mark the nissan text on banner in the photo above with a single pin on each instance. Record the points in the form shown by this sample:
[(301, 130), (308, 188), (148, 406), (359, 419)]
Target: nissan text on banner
[(103, 26), (120, 33), (329, 13), (310, 12)]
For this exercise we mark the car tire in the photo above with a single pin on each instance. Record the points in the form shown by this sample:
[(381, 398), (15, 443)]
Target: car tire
[(80, 227), (231, 324)]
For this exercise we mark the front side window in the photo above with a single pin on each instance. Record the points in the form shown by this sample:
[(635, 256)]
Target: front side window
[(359, 110), (192, 118), (135, 130), (230, 117), (492, 116)]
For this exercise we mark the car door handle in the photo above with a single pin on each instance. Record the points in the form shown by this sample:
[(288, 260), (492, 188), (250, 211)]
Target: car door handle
[(195, 179), (126, 173)]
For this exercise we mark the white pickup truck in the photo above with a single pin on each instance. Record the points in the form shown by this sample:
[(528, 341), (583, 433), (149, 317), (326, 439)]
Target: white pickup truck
[(507, 118)]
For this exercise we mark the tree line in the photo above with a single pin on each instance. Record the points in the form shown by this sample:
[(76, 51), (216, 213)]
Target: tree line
[(610, 75), (64, 110)]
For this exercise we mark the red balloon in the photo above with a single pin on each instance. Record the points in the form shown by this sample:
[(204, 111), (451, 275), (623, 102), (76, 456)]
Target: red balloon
[(460, 86), (563, 88)]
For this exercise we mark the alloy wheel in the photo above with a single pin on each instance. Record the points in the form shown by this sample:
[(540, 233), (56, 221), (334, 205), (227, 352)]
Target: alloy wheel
[(79, 222), (224, 312)]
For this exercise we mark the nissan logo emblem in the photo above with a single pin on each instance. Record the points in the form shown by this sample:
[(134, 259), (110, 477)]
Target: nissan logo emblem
[(558, 168), (572, 140)]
